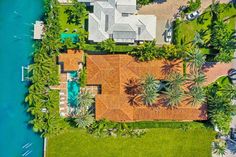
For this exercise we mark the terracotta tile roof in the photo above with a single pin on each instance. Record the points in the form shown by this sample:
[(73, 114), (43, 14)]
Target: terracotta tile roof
[(112, 72), (71, 59)]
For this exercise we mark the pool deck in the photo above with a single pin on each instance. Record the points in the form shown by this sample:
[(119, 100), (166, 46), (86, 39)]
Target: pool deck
[(63, 104)]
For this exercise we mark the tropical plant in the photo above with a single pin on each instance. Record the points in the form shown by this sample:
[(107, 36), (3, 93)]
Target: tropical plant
[(107, 45), (84, 120), (193, 5), (198, 41), (85, 100), (196, 78), (197, 59), (173, 96), (215, 10), (44, 72), (219, 147), (150, 88), (83, 77), (103, 128), (175, 79), (197, 95), (146, 51), (222, 38), (220, 110), (228, 91), (144, 2), (77, 14), (169, 52)]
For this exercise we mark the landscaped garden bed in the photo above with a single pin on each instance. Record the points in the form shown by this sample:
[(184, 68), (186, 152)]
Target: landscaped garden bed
[(185, 31)]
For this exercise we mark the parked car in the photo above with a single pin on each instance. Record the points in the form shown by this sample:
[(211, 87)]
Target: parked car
[(193, 15), (168, 35), (233, 133)]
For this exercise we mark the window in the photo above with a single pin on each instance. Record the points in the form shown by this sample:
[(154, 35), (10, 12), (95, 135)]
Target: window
[(139, 30), (106, 22), (125, 14)]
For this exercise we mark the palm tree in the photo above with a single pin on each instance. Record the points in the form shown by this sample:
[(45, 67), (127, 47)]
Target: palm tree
[(173, 96), (150, 88), (175, 79), (219, 147), (215, 10), (197, 95), (85, 100), (84, 120), (108, 45), (196, 78), (198, 41), (146, 51), (197, 59)]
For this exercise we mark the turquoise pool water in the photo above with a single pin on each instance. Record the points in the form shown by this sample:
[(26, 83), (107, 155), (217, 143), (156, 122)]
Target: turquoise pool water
[(73, 90), (16, 18), (74, 37)]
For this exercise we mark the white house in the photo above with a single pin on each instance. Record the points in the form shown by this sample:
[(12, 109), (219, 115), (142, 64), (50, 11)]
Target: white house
[(117, 19)]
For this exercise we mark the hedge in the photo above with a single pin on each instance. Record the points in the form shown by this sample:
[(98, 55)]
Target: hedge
[(118, 48), (167, 124)]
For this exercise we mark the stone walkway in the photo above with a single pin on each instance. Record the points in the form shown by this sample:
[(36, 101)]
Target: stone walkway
[(165, 10)]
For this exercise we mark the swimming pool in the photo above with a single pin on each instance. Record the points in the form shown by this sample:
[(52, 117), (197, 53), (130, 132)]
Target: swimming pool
[(15, 51), (73, 88), (74, 37)]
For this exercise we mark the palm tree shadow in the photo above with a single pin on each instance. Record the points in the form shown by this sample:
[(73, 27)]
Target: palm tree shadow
[(133, 90), (170, 66)]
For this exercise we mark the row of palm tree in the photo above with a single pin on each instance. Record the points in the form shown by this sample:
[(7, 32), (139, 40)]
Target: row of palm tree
[(42, 101)]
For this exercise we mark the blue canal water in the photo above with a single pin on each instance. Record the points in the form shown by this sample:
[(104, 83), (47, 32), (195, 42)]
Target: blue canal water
[(16, 18)]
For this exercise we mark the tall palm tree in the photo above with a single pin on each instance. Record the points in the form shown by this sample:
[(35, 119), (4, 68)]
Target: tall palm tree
[(175, 79), (198, 41), (197, 59), (85, 100), (150, 89), (215, 10), (197, 95), (196, 78), (173, 96)]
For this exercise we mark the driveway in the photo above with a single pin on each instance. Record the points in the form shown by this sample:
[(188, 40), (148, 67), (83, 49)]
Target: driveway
[(165, 10)]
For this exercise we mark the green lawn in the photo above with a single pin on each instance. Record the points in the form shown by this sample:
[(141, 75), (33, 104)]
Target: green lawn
[(63, 20), (187, 29), (158, 142)]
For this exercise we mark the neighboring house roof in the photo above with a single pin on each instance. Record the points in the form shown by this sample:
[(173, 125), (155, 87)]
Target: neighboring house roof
[(71, 59), (113, 72), (113, 18)]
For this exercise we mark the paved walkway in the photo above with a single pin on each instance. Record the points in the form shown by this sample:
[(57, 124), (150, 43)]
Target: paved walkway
[(165, 10)]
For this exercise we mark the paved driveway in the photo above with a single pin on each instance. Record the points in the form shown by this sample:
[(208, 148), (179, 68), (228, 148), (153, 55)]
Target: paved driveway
[(165, 10)]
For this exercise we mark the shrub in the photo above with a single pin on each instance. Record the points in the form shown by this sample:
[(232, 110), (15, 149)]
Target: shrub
[(193, 5), (83, 77), (103, 128), (146, 51), (144, 2), (167, 124), (107, 45)]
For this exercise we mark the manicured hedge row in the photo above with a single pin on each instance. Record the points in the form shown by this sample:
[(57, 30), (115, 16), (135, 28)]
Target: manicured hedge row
[(118, 48), (167, 124)]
